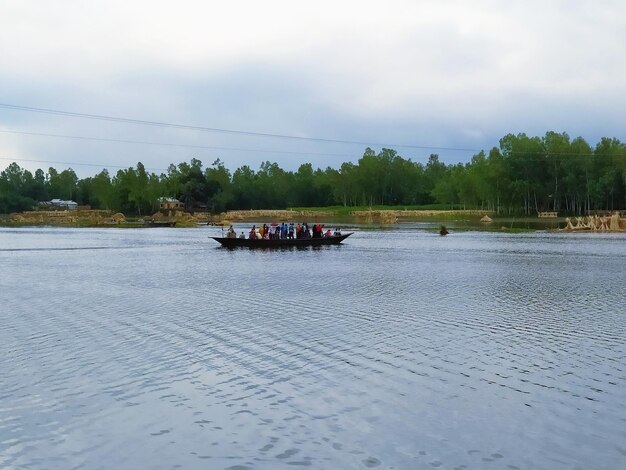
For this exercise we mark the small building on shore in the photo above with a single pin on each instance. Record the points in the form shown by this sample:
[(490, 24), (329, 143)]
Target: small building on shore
[(59, 205), (169, 203)]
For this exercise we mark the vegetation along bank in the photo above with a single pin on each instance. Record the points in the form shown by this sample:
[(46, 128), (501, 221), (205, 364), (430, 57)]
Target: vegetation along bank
[(522, 176)]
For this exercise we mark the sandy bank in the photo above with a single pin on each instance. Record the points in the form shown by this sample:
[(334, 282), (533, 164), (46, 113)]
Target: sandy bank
[(385, 215), (98, 218)]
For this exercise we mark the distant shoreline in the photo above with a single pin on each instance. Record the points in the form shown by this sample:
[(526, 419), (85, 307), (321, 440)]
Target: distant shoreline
[(96, 218), (375, 217), (102, 218), (385, 215)]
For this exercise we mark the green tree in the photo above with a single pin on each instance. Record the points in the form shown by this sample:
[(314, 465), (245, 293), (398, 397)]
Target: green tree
[(304, 192), (102, 194), (526, 164), (557, 148), (245, 189), (171, 183), (576, 180), (195, 190), (434, 174), (14, 183), (62, 185), (608, 167), (220, 187), (36, 187), (346, 187)]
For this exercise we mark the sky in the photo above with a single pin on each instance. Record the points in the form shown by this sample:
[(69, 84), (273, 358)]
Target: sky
[(294, 82)]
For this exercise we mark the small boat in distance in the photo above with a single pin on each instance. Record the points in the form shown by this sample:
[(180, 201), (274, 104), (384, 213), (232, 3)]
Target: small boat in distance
[(160, 223), (280, 242)]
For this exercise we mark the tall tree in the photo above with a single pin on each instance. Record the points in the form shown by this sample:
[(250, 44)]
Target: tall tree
[(194, 190), (245, 189), (14, 183), (557, 148), (220, 187)]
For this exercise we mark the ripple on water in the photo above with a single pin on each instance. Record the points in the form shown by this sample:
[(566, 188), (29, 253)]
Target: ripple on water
[(400, 350)]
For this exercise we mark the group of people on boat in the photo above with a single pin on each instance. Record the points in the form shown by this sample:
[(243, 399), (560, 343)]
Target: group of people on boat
[(285, 231)]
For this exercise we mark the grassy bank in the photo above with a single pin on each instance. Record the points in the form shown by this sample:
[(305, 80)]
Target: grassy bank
[(381, 214), (385, 217), (432, 210)]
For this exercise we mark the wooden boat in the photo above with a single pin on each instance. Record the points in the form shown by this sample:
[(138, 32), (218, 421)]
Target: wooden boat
[(160, 223), (280, 242)]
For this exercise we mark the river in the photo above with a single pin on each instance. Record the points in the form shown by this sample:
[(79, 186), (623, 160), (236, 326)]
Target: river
[(155, 348)]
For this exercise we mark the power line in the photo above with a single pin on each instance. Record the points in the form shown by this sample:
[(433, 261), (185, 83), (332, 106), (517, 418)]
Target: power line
[(100, 165), (219, 130), (107, 165), (169, 144), (568, 155), (281, 152)]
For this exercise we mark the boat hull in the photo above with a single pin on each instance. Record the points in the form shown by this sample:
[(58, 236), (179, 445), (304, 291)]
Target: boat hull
[(280, 243), (170, 223)]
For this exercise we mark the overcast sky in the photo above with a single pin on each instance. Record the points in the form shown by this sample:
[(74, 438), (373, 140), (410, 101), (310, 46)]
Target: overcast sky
[(406, 75)]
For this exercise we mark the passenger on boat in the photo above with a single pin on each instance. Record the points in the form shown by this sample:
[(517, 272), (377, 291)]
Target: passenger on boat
[(328, 234), (304, 231), (337, 232), (231, 233), (291, 230), (252, 235), (242, 235), (318, 231)]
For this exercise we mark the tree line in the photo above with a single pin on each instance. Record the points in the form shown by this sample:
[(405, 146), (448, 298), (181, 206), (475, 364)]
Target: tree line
[(524, 175)]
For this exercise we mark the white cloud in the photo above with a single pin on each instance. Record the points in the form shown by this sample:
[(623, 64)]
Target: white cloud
[(424, 72)]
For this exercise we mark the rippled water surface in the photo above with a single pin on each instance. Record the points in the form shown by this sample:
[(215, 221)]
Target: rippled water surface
[(154, 348)]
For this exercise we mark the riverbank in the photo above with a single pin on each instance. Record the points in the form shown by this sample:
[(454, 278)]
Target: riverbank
[(358, 214), (104, 218), (98, 218), (365, 217)]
